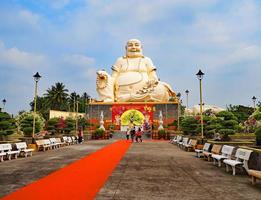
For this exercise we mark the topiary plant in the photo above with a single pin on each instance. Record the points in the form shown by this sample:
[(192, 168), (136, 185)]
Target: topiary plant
[(99, 133), (161, 133), (258, 133)]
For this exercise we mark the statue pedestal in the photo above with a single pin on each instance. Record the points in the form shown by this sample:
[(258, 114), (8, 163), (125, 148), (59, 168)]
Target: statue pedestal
[(113, 112)]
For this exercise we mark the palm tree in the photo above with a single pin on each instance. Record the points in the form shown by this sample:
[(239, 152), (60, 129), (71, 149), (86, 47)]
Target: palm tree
[(57, 96)]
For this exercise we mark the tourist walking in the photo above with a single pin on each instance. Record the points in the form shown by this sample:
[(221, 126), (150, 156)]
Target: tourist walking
[(128, 134), (80, 135), (139, 135), (132, 132)]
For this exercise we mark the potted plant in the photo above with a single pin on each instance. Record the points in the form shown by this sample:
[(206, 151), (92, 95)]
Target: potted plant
[(98, 133), (161, 133), (258, 136)]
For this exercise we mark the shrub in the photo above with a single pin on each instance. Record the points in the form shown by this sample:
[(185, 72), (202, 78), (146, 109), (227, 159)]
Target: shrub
[(7, 124), (257, 116), (28, 131), (258, 133), (161, 133), (99, 133), (189, 125), (227, 132)]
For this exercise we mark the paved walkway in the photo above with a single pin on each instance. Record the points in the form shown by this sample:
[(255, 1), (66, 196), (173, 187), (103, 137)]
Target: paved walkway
[(149, 170), (161, 171)]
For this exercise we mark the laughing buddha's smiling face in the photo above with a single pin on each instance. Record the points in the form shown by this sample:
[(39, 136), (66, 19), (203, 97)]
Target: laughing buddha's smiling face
[(133, 48)]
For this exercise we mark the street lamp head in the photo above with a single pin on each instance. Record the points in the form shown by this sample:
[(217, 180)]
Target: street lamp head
[(254, 98), (179, 95), (186, 91), (200, 75), (4, 101), (37, 77)]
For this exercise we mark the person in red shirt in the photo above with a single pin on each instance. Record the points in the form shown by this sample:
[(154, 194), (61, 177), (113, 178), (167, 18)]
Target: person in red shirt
[(139, 135)]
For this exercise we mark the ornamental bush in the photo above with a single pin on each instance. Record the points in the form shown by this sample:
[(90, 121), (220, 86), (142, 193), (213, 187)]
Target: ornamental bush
[(24, 122), (161, 133), (189, 125), (7, 124), (258, 133), (99, 133)]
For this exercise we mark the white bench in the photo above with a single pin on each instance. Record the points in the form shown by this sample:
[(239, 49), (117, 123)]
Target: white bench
[(226, 153), (22, 148), (59, 142), (216, 149), (65, 140), (242, 157), (6, 150), (206, 148), (53, 143), (2, 152), (177, 139), (69, 139), (192, 143), (43, 144), (183, 142), (74, 139)]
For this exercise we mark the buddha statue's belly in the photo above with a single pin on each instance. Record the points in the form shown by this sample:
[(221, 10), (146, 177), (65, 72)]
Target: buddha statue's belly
[(131, 82)]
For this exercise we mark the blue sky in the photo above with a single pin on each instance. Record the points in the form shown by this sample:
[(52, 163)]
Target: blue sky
[(69, 40)]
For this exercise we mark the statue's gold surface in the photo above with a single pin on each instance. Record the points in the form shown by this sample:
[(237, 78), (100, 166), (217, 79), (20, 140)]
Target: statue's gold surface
[(134, 79)]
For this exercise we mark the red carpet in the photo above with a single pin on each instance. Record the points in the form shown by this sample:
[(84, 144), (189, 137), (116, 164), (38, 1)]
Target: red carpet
[(80, 180)]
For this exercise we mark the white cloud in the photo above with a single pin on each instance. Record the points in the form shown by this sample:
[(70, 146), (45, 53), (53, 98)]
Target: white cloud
[(17, 58)]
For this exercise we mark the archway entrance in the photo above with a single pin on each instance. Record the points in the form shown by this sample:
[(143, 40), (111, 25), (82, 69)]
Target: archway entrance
[(131, 118)]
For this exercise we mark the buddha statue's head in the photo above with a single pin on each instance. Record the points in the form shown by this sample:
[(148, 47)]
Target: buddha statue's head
[(133, 48)]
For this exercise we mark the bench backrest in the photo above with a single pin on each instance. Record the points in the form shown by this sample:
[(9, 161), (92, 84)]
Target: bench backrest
[(65, 138), (5, 147), (216, 149), (69, 139), (185, 140), (52, 140), (39, 142), (21, 145), (227, 150), (58, 140), (193, 142), (47, 141), (243, 154), (179, 138), (206, 147)]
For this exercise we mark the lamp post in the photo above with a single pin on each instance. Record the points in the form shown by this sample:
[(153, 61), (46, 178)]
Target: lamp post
[(254, 102), (187, 93), (200, 75), (76, 117), (36, 79), (4, 102), (178, 97)]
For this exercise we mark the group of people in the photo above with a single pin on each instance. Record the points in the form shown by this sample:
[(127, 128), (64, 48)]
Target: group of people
[(134, 133)]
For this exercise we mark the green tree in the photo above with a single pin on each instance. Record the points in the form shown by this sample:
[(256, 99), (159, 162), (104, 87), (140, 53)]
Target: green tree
[(228, 123), (70, 125), (42, 106), (7, 124), (57, 97), (25, 122), (189, 125), (241, 112), (51, 125)]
